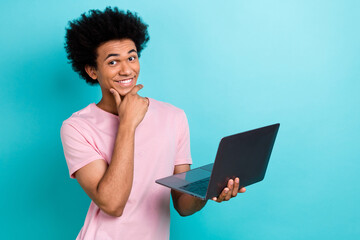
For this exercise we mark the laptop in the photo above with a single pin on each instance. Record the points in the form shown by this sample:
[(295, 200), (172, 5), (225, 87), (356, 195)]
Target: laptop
[(244, 155)]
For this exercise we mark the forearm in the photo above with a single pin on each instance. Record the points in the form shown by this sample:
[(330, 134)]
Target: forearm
[(115, 186), (186, 204)]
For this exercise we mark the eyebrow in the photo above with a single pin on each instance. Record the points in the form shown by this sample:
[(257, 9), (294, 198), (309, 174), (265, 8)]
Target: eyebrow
[(116, 55)]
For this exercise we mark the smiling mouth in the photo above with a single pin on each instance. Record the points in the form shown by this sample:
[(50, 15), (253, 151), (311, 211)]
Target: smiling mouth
[(125, 82)]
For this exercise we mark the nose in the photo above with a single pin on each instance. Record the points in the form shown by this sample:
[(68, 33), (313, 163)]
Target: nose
[(125, 69)]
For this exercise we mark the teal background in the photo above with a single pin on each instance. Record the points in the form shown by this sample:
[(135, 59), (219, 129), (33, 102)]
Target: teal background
[(232, 66)]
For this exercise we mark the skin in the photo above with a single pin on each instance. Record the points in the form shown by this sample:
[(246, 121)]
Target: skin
[(109, 186)]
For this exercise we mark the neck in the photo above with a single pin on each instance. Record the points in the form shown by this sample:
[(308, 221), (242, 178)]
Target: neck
[(108, 104)]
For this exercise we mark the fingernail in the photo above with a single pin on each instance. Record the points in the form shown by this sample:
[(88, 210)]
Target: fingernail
[(236, 180), (226, 190), (231, 182)]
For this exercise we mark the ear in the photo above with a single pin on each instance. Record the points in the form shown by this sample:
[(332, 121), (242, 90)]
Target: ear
[(91, 71)]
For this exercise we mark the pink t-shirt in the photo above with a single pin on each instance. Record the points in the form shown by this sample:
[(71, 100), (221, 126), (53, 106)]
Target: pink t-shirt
[(161, 141)]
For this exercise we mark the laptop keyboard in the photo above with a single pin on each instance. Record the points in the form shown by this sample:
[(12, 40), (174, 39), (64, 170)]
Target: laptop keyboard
[(198, 187)]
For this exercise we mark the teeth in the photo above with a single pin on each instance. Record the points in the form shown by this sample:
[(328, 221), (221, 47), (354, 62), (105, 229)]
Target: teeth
[(125, 81)]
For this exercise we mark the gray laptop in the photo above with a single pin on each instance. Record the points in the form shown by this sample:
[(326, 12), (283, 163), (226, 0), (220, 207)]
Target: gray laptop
[(244, 155)]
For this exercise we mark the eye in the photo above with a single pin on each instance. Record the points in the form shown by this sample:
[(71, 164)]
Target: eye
[(132, 58), (111, 63)]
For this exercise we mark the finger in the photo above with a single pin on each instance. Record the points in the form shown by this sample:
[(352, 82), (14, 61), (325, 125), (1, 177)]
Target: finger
[(222, 195), (236, 187), (116, 96), (136, 88), (147, 100), (231, 187), (242, 189)]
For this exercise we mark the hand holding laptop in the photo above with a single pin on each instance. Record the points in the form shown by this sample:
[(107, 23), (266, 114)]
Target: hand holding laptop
[(230, 191)]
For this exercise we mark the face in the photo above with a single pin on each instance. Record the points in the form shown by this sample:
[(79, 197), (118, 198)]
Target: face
[(117, 67)]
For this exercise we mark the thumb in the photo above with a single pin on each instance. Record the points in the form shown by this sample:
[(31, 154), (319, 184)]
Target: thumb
[(116, 96)]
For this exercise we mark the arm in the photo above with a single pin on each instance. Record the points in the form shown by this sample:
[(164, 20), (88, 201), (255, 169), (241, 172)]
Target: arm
[(110, 186), (185, 204)]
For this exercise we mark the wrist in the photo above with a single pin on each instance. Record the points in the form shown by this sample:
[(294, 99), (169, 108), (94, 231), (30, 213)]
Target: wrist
[(200, 203), (126, 128)]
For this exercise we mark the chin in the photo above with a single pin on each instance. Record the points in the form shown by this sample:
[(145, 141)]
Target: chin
[(123, 92)]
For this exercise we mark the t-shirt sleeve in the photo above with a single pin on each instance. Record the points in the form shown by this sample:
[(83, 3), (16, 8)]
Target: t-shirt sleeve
[(183, 155), (77, 150)]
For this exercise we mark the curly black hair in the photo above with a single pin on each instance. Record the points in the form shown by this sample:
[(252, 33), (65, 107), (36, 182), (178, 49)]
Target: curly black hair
[(85, 34)]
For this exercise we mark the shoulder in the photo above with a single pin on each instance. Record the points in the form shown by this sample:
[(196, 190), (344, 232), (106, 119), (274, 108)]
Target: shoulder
[(79, 119), (82, 114), (165, 108)]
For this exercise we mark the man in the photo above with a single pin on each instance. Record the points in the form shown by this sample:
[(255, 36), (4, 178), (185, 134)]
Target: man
[(117, 148)]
